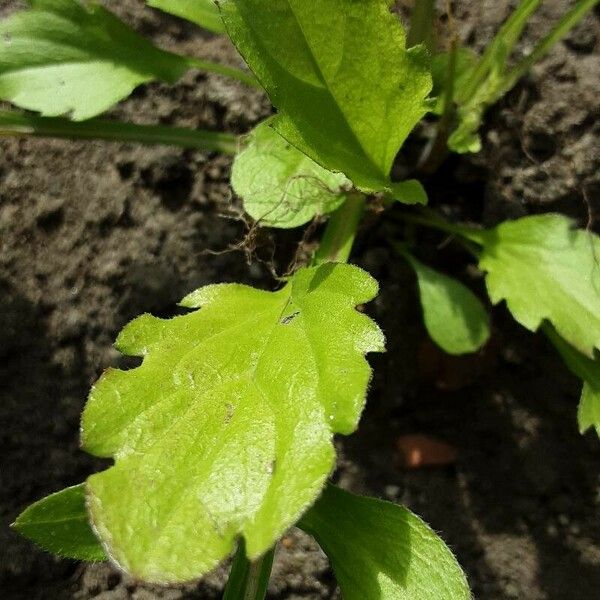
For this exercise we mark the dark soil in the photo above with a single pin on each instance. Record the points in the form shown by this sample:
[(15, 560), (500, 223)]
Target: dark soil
[(92, 234)]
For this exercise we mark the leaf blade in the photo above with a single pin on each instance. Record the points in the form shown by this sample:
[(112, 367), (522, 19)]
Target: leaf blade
[(59, 524), (454, 317), (382, 551), (546, 269), (60, 57), (310, 65), (201, 12), (227, 426), (281, 186)]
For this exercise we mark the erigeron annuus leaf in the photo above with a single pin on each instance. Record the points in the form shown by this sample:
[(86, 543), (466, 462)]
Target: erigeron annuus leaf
[(454, 317), (202, 12), (226, 428), (588, 370), (545, 269), (63, 57), (281, 186), (59, 524), (347, 90), (382, 551)]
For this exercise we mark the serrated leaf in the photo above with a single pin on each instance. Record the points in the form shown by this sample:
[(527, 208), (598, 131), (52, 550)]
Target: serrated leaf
[(59, 524), (348, 91), (588, 413), (61, 57), (226, 427), (281, 186), (382, 551), (454, 317), (202, 12), (546, 269)]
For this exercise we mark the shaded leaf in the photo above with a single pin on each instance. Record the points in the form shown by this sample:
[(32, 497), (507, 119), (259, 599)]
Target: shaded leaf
[(588, 414), (226, 428), (348, 91), (202, 12), (61, 57), (281, 186), (546, 269), (382, 551), (454, 317), (59, 524)]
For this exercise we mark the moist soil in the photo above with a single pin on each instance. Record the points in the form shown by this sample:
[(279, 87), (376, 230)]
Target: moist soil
[(93, 234)]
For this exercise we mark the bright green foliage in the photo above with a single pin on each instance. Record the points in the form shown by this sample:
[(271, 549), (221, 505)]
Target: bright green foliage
[(281, 186), (588, 370), (226, 427), (492, 77), (347, 90), (202, 12), (545, 269), (59, 524), (61, 57), (454, 317), (382, 551)]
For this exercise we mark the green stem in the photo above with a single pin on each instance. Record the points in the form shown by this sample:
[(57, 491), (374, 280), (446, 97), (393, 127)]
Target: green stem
[(430, 218), (232, 72), (437, 150), (566, 23), (422, 20), (341, 229), (15, 124), (248, 580)]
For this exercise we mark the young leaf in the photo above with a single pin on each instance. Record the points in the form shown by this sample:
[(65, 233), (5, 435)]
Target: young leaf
[(202, 12), (454, 317), (588, 370), (545, 269), (382, 551), (61, 57), (281, 186), (225, 430), (348, 91), (59, 524)]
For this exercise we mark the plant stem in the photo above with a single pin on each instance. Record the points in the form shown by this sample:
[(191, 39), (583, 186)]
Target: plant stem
[(15, 124), (232, 72), (340, 232), (422, 19), (248, 580), (437, 150)]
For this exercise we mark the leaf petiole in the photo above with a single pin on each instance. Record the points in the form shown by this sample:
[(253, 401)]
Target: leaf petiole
[(341, 229), (219, 69), (21, 125), (248, 580)]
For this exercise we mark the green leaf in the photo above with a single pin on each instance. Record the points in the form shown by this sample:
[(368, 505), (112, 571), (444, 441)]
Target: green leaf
[(281, 186), (545, 269), (588, 370), (454, 317), (382, 551), (226, 428), (59, 524), (348, 91), (202, 12), (61, 57)]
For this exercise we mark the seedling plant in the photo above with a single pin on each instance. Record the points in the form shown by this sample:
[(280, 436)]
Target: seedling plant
[(222, 438)]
